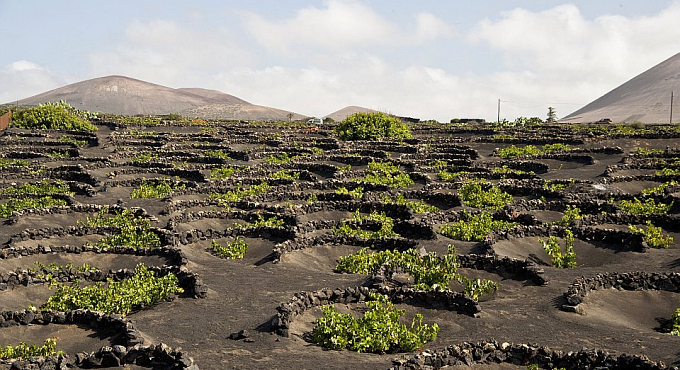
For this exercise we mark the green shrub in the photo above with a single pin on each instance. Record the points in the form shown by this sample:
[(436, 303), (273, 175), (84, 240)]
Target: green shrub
[(223, 172), (354, 226), (347, 167), (316, 150), (570, 214), (240, 193), (135, 231), (416, 206), (157, 189), (12, 205), (284, 175), (363, 262), (52, 116), (507, 170), (675, 323), (13, 162), (475, 227), (144, 158), (446, 175), (440, 163), (557, 186), (658, 190), (144, 288), (174, 117), (379, 330), (261, 222), (442, 272), (232, 250), (652, 236), (644, 151), (44, 187), (126, 218), (474, 195), (513, 151), (58, 154), (476, 288), (142, 134), (386, 173), (74, 141), (131, 237), (219, 154), (356, 193), (649, 207), (554, 148), (281, 158), (372, 126), (24, 351), (668, 172), (552, 247), (428, 271)]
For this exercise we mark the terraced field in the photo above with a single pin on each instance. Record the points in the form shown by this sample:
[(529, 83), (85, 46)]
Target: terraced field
[(184, 199)]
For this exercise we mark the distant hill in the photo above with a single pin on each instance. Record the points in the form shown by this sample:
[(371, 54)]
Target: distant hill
[(347, 111), (129, 96), (645, 98)]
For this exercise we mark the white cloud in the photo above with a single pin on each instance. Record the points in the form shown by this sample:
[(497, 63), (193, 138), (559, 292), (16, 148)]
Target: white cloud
[(22, 79), (412, 91), (24, 65), (431, 27), (341, 25), (165, 52), (608, 49)]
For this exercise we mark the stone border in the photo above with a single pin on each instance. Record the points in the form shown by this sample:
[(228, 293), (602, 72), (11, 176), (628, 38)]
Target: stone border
[(638, 280), (492, 352), (191, 282), (133, 352), (296, 306), (518, 269)]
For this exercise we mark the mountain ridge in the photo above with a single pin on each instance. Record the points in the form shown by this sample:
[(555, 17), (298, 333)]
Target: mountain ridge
[(129, 96), (644, 98)]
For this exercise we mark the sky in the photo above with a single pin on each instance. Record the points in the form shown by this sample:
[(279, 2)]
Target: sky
[(429, 59)]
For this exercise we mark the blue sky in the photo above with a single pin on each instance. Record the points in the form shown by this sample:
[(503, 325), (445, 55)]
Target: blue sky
[(427, 59)]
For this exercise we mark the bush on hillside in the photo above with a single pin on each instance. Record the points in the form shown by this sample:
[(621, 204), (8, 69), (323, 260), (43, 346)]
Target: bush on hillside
[(372, 126), (52, 116)]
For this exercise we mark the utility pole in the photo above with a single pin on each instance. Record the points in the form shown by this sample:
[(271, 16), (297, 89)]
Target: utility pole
[(671, 119), (499, 110)]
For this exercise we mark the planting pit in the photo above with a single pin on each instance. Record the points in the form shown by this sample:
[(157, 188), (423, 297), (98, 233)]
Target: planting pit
[(322, 258), (71, 338), (639, 311), (587, 254), (102, 261)]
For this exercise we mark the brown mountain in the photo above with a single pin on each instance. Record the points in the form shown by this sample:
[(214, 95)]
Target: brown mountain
[(645, 98), (129, 96), (217, 97), (341, 114)]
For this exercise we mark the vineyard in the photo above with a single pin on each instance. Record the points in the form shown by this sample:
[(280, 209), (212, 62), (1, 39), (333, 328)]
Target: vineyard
[(178, 244)]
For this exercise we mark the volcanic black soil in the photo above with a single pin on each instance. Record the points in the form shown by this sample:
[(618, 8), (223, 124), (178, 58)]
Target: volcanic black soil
[(300, 256)]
